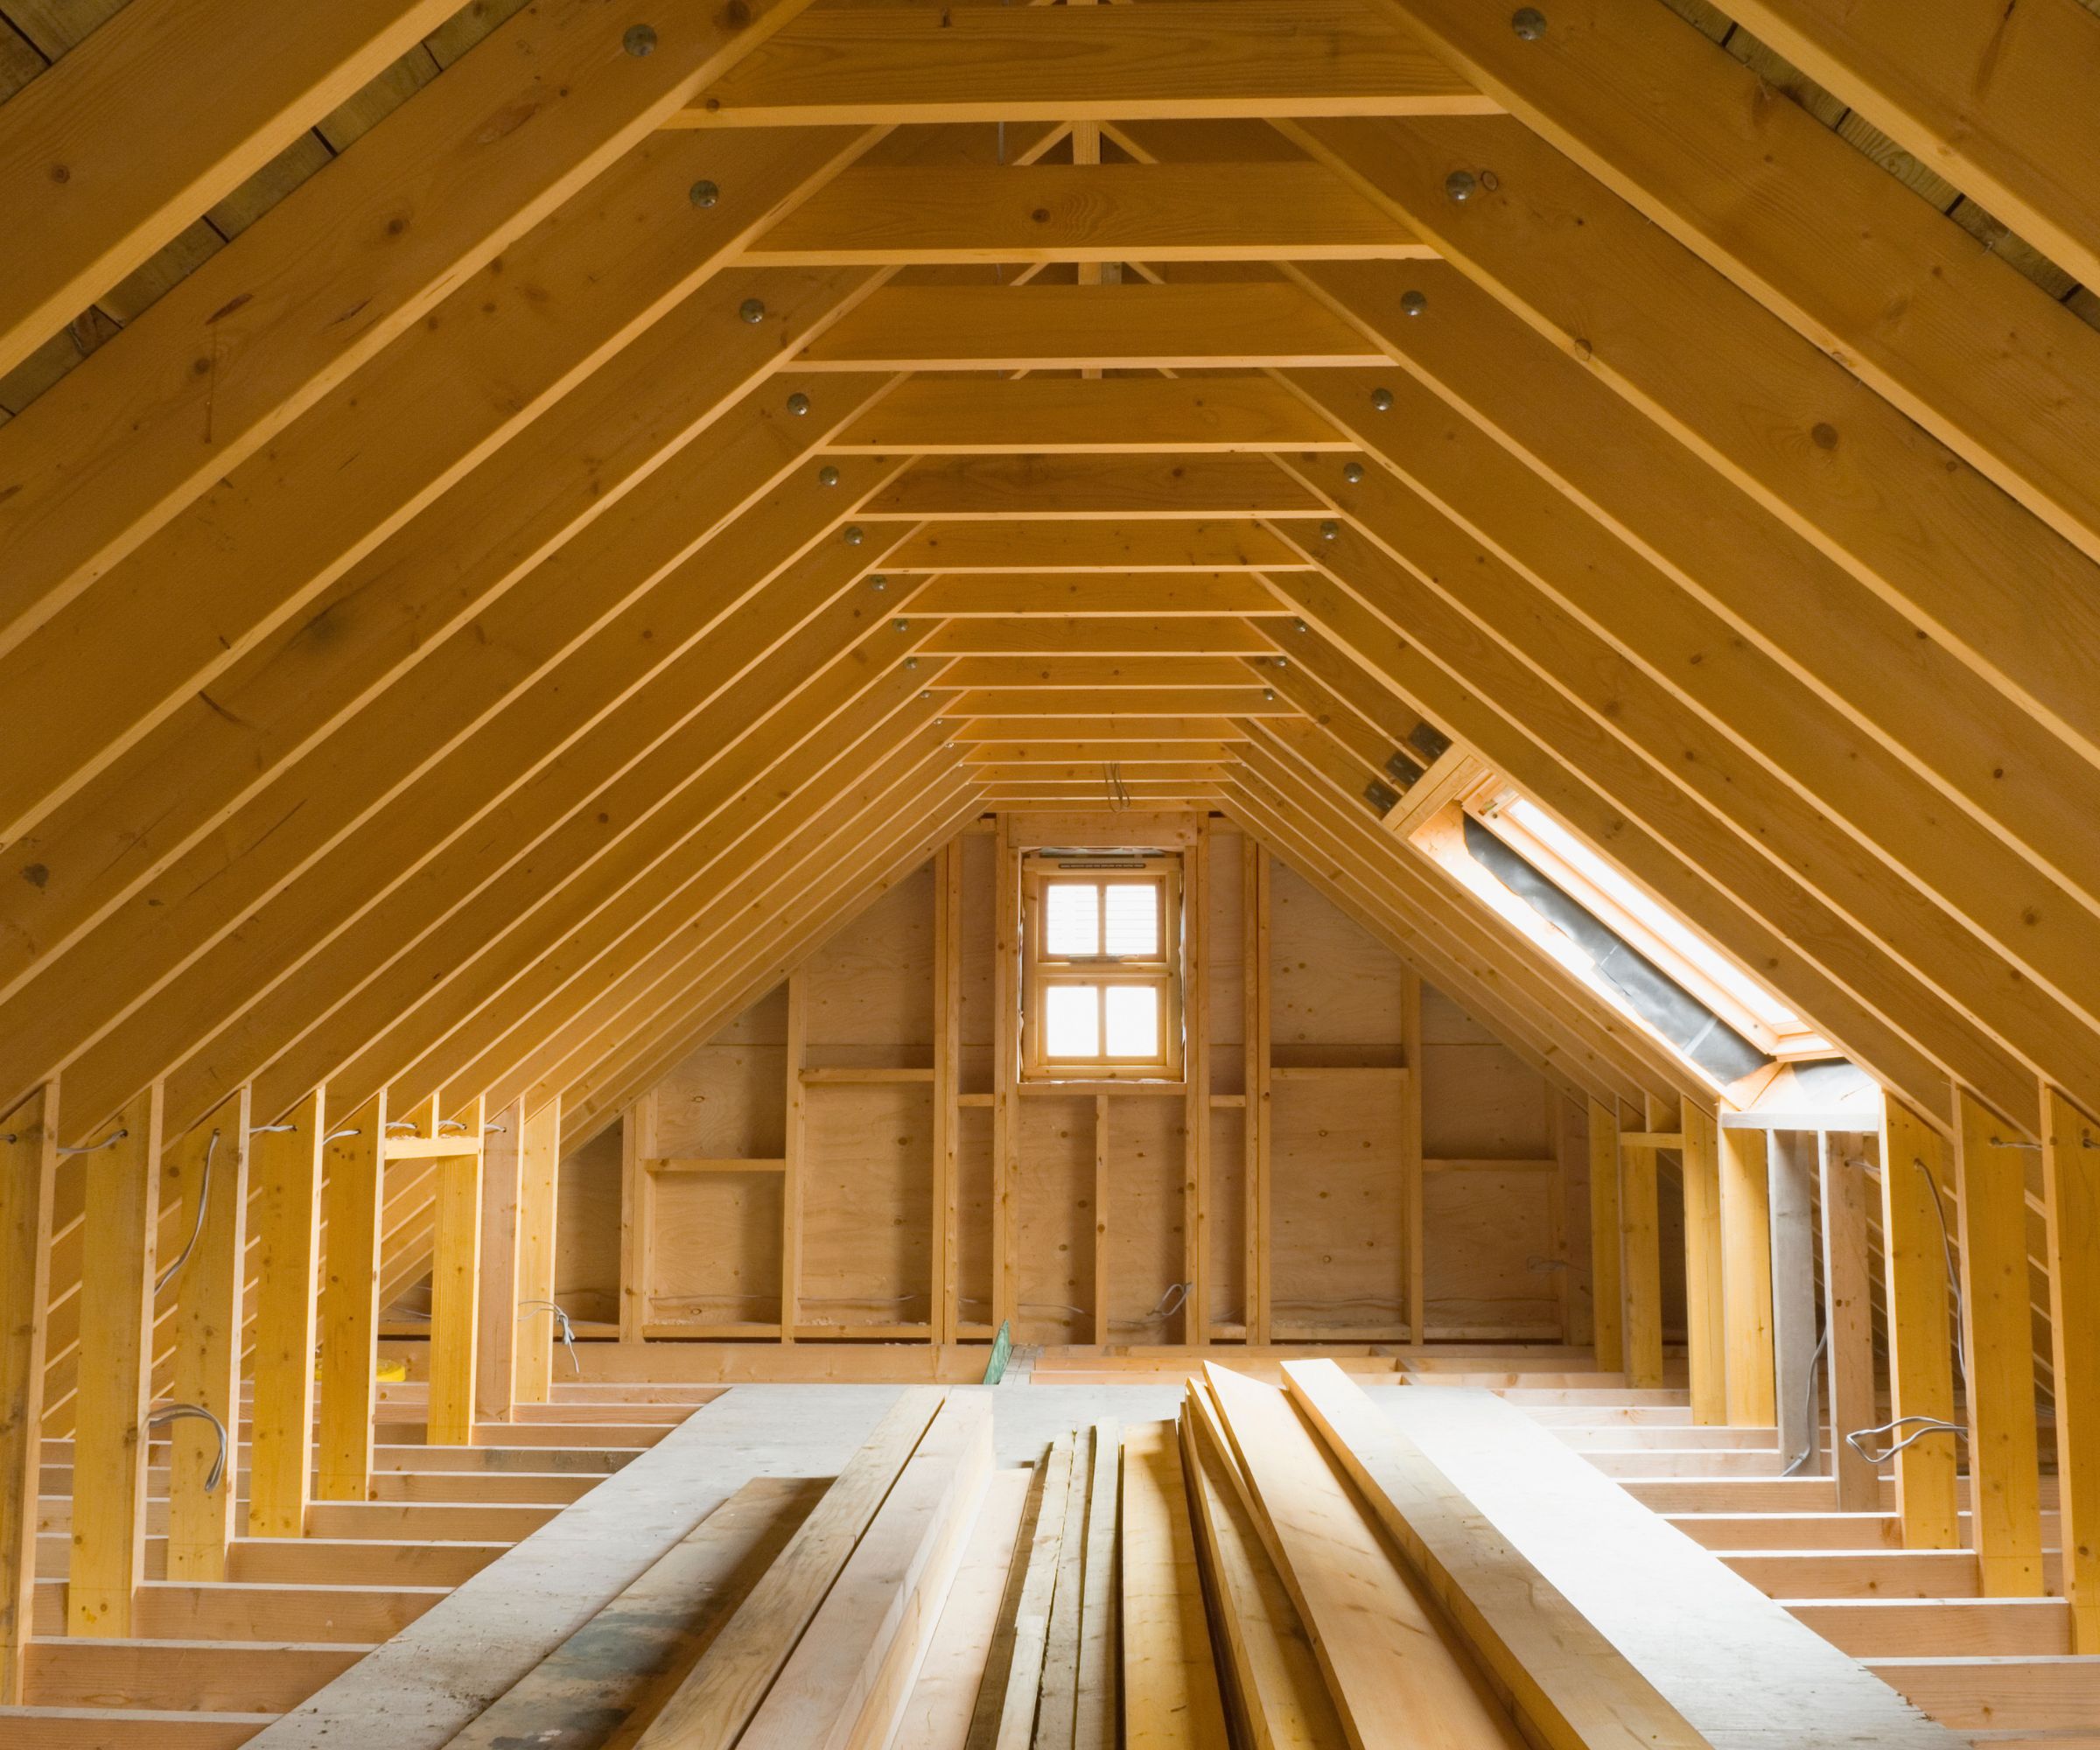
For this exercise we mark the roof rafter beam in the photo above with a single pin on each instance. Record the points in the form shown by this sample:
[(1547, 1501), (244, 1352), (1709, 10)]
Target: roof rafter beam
[(68, 516), (219, 86), (1818, 232), (1100, 488)]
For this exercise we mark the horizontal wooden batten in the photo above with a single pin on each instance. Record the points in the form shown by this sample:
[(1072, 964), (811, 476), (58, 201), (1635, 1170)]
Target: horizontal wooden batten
[(675, 1165), (1111, 416), (1056, 596), (1284, 210), (1099, 327), (1099, 488), (1033, 547), (1168, 57)]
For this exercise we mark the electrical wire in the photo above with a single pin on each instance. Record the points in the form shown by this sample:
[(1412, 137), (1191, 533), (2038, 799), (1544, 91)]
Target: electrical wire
[(1923, 1425), (204, 1197), (109, 1141), (178, 1412), (561, 1320)]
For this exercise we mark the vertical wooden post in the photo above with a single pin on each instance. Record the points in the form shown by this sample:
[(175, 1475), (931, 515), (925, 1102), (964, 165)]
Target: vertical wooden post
[(206, 1172), (1005, 1066), (1747, 1276), (1848, 1272), (1413, 1221), (285, 1166), (120, 1219), (29, 1166), (496, 1315), (539, 1202), (2071, 1189), (791, 1180), (1794, 1380), (355, 1166), (1196, 1108), (1255, 974), (456, 1287), (1101, 1218), (1705, 1341), (944, 1310), (638, 1212), (1607, 1281), (1917, 1250), (2004, 1485), (1639, 1209)]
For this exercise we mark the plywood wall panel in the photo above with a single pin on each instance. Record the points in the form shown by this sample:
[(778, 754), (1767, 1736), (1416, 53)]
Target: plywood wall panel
[(871, 986), (1144, 1218), (586, 1256), (1337, 1204), (867, 1192), (727, 1100), (717, 1248), (1228, 1216), (1055, 1185), (1488, 1266), (1333, 983)]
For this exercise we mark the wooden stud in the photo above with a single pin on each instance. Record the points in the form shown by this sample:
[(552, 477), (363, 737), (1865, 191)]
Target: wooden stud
[(2071, 1193), (1101, 1194), (637, 1212), (1848, 1323), (1414, 1260), (797, 1147), (1746, 1276), (1998, 1344), (1608, 1292), (1005, 1065), (1917, 1262), (1704, 1320), (946, 1287), (1638, 1195), (29, 1163), (353, 1154), (1253, 888), (119, 1221), (1795, 1384), (206, 1179), (1196, 1312), (539, 1208), (456, 1285), (285, 1170), (502, 1245)]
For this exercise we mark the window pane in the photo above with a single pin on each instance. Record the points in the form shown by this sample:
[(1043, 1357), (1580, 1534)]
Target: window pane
[(1071, 918), (1133, 1020), (1071, 1021), (1133, 919)]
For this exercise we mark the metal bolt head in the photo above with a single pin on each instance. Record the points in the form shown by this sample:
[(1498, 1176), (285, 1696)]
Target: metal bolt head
[(798, 403), (704, 195), (854, 534), (911, 661), (1529, 23), (879, 582), (926, 696), (1412, 303), (900, 625), (1300, 625), (1330, 530), (1269, 692), (1381, 400), (1281, 662), (640, 40), (1354, 473), (751, 310), (1459, 184), (827, 476)]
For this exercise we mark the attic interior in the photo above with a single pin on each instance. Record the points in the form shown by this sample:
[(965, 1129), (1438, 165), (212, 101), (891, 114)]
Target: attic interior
[(1212, 873)]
